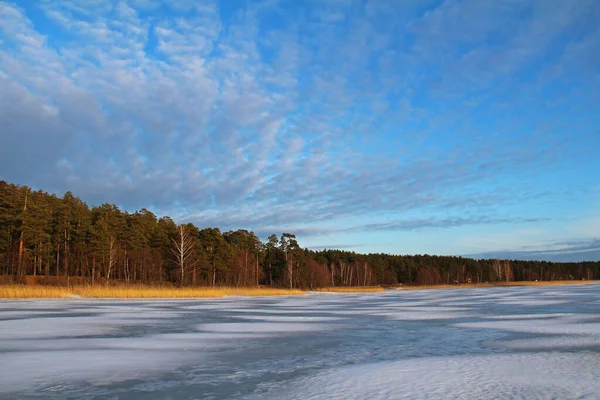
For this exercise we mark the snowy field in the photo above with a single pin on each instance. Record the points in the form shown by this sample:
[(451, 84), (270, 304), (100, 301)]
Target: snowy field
[(518, 343)]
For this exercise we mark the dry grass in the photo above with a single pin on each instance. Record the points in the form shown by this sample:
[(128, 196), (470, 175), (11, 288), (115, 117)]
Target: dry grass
[(546, 283), (350, 289), (149, 292), (495, 284), (145, 292), (136, 292), (33, 292)]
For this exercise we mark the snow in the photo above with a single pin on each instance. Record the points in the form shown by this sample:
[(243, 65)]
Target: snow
[(61, 327), (262, 327), (276, 318), (404, 315), (519, 376), (32, 368), (551, 343), (563, 325), (468, 343)]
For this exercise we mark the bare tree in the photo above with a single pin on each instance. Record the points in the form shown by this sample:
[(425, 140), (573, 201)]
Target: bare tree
[(112, 256), (507, 270), (183, 251), (497, 267), (332, 274), (20, 271)]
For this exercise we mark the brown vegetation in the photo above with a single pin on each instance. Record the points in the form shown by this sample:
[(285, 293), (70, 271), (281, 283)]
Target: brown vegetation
[(33, 292), (121, 291), (350, 289), (137, 292), (496, 284)]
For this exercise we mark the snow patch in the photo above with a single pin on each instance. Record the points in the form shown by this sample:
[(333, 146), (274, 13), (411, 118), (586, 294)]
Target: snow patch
[(515, 376)]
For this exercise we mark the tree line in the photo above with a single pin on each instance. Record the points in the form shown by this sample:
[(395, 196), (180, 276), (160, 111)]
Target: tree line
[(42, 234)]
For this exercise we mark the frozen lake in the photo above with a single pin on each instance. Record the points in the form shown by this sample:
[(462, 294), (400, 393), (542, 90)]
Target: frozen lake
[(519, 343)]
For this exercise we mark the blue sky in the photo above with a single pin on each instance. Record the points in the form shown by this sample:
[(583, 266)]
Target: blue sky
[(433, 126)]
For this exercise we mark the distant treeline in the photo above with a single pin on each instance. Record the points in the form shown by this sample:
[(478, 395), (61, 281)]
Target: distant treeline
[(44, 235)]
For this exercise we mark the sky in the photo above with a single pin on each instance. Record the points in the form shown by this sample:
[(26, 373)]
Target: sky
[(462, 127)]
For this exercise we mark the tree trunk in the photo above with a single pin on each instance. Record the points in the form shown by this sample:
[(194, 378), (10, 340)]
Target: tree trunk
[(183, 249), (58, 260), (19, 270), (93, 269), (112, 257), (66, 252), (245, 267), (291, 272)]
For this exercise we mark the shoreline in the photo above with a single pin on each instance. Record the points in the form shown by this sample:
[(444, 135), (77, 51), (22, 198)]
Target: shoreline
[(24, 292), (35, 292), (496, 284)]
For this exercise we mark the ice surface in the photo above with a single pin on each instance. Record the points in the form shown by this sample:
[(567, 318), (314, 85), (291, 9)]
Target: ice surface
[(531, 342), (29, 369), (40, 328), (280, 318), (531, 302), (301, 311), (417, 315), (552, 343), (526, 316), (262, 327), (515, 376), (565, 325)]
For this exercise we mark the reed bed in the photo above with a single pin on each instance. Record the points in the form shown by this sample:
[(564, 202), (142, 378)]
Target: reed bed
[(33, 292), (137, 292), (496, 284), (12, 291), (141, 292), (351, 289)]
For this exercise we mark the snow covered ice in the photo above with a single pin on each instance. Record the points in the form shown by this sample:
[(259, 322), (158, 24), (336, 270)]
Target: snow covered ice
[(520, 343)]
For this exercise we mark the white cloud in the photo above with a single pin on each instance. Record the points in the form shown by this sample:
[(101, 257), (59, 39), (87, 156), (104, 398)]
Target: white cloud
[(314, 119)]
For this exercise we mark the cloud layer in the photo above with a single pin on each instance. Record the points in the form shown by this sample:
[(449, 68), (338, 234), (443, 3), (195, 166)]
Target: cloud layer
[(572, 250), (349, 115)]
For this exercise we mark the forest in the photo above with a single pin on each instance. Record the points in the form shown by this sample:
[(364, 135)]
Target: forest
[(46, 236)]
